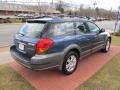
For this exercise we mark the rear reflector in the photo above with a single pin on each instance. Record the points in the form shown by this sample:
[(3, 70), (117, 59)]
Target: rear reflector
[(43, 45)]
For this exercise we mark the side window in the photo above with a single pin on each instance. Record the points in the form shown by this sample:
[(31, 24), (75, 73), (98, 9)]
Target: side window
[(92, 27), (80, 27), (66, 28)]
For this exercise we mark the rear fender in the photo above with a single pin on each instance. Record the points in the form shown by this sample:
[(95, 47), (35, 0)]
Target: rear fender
[(66, 50)]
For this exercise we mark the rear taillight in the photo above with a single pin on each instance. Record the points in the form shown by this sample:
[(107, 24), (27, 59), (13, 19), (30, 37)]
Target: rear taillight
[(43, 45)]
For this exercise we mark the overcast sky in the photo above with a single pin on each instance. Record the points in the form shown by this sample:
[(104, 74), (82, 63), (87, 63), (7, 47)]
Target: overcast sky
[(106, 4)]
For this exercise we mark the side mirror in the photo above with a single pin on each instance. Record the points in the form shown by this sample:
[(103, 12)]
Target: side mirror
[(102, 30)]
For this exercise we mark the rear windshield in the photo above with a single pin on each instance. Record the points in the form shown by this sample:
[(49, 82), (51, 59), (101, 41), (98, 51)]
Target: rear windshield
[(32, 29)]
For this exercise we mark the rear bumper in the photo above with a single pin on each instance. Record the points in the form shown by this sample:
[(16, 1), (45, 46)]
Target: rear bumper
[(37, 62)]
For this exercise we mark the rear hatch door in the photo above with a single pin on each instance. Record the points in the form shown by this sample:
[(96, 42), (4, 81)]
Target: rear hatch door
[(28, 36)]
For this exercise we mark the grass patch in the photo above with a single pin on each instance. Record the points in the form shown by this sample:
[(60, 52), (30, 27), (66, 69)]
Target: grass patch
[(116, 33), (106, 79), (116, 40), (11, 80)]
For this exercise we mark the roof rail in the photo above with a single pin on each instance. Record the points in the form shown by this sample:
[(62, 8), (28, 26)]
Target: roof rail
[(65, 17), (72, 17)]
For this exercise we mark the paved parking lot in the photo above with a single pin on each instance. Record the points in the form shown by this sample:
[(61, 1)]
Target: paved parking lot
[(106, 24), (7, 31), (5, 56)]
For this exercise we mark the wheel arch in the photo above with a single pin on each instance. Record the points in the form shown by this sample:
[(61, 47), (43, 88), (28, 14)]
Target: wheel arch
[(70, 48)]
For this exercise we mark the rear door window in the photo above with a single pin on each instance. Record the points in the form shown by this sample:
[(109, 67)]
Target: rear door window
[(32, 29), (66, 28)]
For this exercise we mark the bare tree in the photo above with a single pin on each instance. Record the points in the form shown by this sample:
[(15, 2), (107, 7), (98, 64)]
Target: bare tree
[(60, 6), (81, 10), (97, 12)]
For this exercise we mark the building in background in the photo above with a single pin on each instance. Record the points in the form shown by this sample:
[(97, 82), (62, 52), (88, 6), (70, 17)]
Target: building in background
[(11, 10)]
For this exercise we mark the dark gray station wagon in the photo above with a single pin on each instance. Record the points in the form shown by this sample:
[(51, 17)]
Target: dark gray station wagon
[(55, 42)]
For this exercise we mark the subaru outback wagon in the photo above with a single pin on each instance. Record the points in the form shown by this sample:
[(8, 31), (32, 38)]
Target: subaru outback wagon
[(54, 42)]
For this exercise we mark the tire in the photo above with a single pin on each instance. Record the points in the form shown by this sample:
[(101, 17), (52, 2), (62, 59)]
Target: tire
[(107, 46), (70, 63)]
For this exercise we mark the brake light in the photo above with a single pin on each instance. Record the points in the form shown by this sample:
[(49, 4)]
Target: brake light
[(43, 45)]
